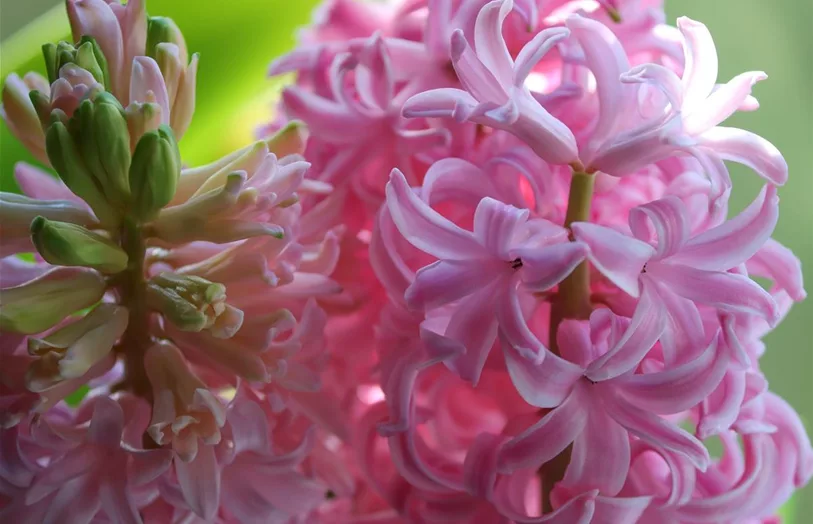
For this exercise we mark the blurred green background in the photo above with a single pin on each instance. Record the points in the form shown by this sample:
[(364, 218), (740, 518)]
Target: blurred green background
[(238, 39)]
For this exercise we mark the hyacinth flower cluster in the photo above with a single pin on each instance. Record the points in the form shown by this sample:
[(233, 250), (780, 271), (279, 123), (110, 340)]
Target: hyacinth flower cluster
[(479, 267)]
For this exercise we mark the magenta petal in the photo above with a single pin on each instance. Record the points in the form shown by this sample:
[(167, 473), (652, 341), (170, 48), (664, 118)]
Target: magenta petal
[(725, 291), (617, 256), (778, 263), (680, 387), (646, 326), (785, 418), (658, 432), (736, 240), (374, 79), (601, 456), (547, 438), (543, 381), (700, 55), (748, 149), (475, 76), (474, 325), (722, 407), (448, 280), (615, 510), (578, 510), (495, 225), (480, 466), (544, 267), (667, 217), (489, 43), (200, 481), (425, 228), (722, 103), (445, 102), (532, 52), (607, 60)]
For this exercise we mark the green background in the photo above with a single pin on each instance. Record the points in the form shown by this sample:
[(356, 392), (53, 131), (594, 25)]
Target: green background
[(238, 39)]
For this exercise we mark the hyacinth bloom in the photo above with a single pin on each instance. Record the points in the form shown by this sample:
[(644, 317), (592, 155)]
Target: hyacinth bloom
[(479, 270)]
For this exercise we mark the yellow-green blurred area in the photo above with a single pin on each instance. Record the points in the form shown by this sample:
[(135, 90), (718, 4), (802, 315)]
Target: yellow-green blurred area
[(237, 40)]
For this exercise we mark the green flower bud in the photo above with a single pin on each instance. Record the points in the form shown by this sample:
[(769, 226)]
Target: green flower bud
[(66, 244), (105, 146), (42, 303), (68, 163), (88, 55), (164, 30), (42, 106), (154, 172), (191, 303)]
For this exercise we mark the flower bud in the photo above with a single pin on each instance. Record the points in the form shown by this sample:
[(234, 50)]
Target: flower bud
[(71, 351), (45, 301), (87, 55), (194, 304), (65, 244), (154, 172), (70, 166), (162, 30), (21, 114), (141, 118), (290, 140), (104, 140)]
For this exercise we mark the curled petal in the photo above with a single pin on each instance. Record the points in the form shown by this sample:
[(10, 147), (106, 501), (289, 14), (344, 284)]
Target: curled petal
[(446, 102), (489, 42), (748, 149), (668, 217), (700, 62), (617, 256), (495, 225), (544, 267), (474, 75), (532, 52), (722, 103)]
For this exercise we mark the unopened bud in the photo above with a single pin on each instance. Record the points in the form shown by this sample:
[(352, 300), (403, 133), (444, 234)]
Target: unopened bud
[(141, 118), (42, 303), (70, 166), (290, 140), (164, 30), (154, 172), (87, 55), (105, 145), (66, 244), (194, 304)]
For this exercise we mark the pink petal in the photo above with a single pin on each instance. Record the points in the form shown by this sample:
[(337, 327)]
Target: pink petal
[(601, 456), (721, 104), (495, 225), (700, 59), (791, 429), (607, 60), (445, 102), (475, 76), (77, 501), (200, 482), (117, 500), (721, 408), (667, 217), (677, 388), (547, 438), (374, 79), (480, 465), (617, 256), (532, 52), (147, 465), (474, 325), (725, 291), (542, 378), (446, 281), (658, 432), (614, 510), (333, 121), (436, 35), (684, 327), (544, 267), (489, 43), (147, 77), (777, 262), (736, 240), (748, 149), (41, 185), (77, 463), (645, 328), (456, 179), (661, 77), (578, 510), (426, 229)]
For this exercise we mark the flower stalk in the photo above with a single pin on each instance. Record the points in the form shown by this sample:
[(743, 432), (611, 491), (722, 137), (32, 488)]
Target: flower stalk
[(136, 340)]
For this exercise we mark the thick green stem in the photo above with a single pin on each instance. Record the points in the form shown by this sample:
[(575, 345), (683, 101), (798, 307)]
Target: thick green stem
[(572, 301), (136, 339)]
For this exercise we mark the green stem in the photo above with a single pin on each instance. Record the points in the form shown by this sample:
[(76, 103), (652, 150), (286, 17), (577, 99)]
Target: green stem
[(136, 340), (572, 301)]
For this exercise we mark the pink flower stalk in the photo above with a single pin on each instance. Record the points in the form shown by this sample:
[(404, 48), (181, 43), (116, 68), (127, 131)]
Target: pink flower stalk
[(480, 270)]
